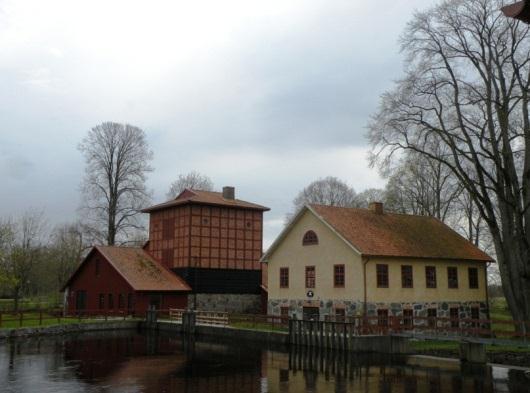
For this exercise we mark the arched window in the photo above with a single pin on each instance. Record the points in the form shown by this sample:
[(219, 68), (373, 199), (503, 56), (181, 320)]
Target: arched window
[(310, 238)]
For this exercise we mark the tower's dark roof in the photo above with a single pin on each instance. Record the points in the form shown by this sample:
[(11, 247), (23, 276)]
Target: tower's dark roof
[(204, 198)]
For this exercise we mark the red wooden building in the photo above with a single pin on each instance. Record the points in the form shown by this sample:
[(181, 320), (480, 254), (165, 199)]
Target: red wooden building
[(203, 251), (122, 279)]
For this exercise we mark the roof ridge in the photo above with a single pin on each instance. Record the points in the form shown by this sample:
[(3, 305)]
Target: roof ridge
[(209, 191), (389, 212), (212, 198)]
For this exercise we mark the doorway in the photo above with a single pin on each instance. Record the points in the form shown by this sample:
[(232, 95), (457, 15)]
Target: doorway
[(80, 301), (155, 301), (311, 313)]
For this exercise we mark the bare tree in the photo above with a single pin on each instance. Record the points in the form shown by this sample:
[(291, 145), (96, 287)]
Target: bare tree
[(66, 251), (193, 180), (21, 245), (423, 187), (329, 191), (470, 223), (364, 198), (7, 245), (117, 162), (466, 89)]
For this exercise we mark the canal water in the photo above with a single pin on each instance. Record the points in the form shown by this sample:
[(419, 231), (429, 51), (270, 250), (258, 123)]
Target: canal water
[(125, 361)]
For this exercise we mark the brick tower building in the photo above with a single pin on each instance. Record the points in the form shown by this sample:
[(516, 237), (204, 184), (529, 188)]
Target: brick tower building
[(214, 243)]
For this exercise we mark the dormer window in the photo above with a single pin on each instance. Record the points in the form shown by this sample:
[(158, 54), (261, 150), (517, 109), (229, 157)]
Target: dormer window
[(310, 238)]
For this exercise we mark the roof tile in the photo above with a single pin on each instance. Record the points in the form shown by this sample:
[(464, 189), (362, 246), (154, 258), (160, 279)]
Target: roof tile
[(399, 235), (141, 270)]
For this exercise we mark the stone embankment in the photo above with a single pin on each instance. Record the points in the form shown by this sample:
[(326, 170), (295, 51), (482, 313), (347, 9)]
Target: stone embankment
[(68, 328)]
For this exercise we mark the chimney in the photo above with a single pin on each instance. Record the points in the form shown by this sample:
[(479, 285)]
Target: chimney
[(229, 192), (376, 207)]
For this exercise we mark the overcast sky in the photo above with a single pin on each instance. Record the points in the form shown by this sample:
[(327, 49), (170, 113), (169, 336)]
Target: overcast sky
[(266, 96)]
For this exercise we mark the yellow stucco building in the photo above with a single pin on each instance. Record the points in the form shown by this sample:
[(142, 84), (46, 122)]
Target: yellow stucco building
[(345, 261)]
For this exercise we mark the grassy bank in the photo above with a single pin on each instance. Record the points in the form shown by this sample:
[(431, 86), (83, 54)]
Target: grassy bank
[(452, 346)]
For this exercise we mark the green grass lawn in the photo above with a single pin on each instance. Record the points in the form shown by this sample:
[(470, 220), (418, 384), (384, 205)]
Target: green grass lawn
[(29, 304), (499, 311), (435, 345)]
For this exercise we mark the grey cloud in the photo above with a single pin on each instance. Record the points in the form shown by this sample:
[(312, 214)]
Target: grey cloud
[(283, 88), (16, 167)]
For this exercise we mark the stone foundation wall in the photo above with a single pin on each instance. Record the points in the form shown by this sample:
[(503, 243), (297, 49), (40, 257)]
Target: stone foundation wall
[(352, 307), (233, 303), (420, 309)]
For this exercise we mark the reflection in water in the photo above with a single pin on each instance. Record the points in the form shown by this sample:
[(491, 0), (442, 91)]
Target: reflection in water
[(135, 362)]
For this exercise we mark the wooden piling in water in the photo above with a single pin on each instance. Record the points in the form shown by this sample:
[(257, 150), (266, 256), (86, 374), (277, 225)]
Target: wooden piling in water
[(339, 336)]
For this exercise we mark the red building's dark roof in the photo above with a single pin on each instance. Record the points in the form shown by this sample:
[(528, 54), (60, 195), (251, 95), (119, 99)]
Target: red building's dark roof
[(398, 235), (139, 269), (205, 198)]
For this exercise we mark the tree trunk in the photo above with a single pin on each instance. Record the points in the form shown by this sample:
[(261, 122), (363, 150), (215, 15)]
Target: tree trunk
[(16, 298), (516, 286)]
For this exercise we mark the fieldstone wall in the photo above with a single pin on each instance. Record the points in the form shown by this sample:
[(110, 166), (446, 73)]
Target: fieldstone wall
[(351, 307), (395, 309), (233, 303), (420, 309)]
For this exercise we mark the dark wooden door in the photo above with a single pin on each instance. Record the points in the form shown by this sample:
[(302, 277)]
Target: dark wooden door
[(311, 313), (130, 303), (80, 301)]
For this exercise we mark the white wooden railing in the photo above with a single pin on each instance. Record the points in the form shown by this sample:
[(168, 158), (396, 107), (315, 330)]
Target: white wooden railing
[(202, 317)]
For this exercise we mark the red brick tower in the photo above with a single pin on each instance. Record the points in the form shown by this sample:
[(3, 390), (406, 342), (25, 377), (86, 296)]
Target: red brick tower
[(214, 242)]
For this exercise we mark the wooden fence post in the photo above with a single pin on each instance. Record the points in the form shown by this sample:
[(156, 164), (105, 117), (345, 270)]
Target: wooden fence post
[(299, 334), (21, 318), (40, 317), (328, 334), (333, 346), (0, 319), (344, 338), (321, 328)]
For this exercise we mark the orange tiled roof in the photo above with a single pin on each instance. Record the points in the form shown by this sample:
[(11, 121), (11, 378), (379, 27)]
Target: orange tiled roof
[(206, 198), (141, 270), (398, 235)]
